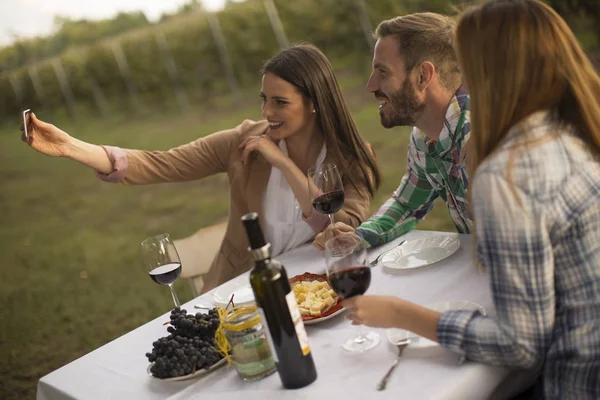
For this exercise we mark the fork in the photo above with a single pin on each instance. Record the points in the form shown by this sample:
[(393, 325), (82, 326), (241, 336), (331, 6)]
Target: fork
[(401, 345), (376, 261)]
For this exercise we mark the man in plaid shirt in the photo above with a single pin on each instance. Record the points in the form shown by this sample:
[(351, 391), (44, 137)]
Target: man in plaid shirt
[(416, 82)]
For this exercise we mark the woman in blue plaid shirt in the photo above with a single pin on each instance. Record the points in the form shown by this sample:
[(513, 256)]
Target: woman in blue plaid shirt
[(535, 153)]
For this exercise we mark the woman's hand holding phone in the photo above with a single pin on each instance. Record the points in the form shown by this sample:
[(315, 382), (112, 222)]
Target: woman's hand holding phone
[(43, 137)]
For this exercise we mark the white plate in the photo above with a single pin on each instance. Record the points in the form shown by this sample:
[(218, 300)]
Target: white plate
[(421, 252), (418, 342), (196, 374), (242, 292)]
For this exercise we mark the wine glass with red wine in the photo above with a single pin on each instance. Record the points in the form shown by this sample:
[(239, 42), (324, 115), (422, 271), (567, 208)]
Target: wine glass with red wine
[(349, 275), (162, 261), (326, 189)]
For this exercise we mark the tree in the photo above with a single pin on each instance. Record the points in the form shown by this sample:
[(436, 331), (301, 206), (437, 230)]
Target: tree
[(68, 32)]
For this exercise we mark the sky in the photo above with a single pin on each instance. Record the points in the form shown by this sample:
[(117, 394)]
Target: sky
[(26, 18)]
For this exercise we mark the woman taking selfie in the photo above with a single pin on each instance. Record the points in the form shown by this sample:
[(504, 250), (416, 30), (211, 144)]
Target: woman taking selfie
[(536, 198), (307, 123)]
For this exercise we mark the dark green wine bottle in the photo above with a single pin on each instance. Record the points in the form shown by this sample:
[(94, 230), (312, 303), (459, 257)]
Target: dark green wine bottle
[(277, 305)]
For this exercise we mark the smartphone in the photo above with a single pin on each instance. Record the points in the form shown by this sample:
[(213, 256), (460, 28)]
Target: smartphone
[(25, 134)]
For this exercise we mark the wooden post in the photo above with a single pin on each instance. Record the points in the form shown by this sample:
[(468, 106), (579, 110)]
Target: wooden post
[(169, 63), (97, 94), (276, 24), (17, 89), (215, 29), (63, 83), (99, 97), (365, 23), (124, 70), (38, 88)]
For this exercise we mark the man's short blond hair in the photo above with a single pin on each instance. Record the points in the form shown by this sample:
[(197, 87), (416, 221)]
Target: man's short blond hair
[(425, 37)]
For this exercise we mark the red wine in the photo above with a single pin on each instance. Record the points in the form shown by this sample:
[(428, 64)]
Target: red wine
[(330, 202), (278, 308), (351, 281), (166, 274)]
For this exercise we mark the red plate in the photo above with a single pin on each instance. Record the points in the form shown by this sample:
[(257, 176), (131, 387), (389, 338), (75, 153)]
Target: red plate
[(307, 276)]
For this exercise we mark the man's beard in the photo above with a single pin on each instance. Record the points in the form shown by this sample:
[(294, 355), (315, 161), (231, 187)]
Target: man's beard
[(406, 108)]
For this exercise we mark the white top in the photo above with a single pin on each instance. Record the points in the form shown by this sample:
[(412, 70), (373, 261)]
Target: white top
[(282, 223)]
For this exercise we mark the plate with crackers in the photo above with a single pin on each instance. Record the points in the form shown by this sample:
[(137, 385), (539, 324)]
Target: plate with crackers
[(316, 300)]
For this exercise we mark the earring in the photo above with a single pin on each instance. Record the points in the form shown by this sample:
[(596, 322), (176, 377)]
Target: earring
[(314, 111)]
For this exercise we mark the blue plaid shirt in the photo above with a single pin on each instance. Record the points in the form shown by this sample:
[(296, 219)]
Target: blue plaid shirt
[(537, 217)]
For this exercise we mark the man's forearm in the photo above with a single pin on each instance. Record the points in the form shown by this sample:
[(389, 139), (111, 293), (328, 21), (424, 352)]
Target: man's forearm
[(391, 221)]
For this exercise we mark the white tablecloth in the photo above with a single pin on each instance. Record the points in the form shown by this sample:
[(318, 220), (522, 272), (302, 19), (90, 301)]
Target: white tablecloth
[(117, 370)]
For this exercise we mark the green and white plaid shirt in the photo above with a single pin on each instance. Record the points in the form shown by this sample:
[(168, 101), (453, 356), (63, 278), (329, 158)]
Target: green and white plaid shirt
[(435, 168)]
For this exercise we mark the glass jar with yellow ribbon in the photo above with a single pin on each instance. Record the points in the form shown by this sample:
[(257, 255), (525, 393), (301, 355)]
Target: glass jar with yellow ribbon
[(249, 347)]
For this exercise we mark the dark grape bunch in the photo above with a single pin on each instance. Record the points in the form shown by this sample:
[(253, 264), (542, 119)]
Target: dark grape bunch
[(189, 347)]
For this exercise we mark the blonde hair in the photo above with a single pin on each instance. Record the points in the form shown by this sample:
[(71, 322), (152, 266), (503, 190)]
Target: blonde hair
[(519, 57), (425, 37)]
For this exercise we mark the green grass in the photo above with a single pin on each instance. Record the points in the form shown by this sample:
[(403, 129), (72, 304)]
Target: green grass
[(71, 277)]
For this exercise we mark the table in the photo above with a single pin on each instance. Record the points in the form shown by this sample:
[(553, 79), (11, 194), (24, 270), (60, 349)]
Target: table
[(117, 370)]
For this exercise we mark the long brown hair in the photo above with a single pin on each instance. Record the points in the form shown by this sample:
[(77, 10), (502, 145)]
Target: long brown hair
[(307, 68), (519, 57)]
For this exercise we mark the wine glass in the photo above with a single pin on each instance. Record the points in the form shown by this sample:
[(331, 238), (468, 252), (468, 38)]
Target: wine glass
[(326, 189), (162, 261), (349, 275)]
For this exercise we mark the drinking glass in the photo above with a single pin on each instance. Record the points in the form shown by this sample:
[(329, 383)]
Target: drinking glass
[(162, 261), (349, 275), (326, 189)]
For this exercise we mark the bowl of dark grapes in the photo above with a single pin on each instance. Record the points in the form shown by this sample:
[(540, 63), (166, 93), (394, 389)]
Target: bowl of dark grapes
[(189, 350)]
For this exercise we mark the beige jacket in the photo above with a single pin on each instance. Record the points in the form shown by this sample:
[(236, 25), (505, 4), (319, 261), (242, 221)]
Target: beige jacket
[(216, 153)]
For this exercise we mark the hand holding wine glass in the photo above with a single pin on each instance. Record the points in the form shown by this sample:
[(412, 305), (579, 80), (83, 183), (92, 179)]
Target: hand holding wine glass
[(326, 189), (349, 275), (339, 228), (162, 261)]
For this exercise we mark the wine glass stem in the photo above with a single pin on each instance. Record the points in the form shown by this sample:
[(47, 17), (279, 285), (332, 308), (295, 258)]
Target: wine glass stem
[(175, 299), (330, 218), (360, 338)]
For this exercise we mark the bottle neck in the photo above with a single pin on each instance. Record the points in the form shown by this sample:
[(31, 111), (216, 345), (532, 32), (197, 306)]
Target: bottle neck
[(262, 253)]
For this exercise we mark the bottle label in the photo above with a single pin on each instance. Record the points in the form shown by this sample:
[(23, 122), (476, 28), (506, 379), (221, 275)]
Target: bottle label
[(268, 333), (290, 298)]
